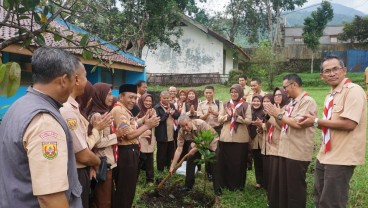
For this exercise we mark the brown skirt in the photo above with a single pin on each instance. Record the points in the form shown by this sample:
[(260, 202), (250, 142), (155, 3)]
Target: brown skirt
[(231, 165)]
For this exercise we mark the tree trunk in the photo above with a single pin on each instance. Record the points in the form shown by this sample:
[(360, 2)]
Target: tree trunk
[(312, 62)]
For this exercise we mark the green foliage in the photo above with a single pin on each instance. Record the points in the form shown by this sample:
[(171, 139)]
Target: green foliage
[(203, 141), (234, 77), (357, 30), (265, 63), (10, 74), (315, 25)]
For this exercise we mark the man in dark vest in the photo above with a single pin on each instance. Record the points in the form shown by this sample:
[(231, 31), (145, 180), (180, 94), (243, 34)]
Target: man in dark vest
[(36, 151)]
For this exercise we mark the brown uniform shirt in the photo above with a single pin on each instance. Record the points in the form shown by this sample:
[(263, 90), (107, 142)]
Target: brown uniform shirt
[(347, 147), (198, 126), (212, 120), (242, 134), (78, 129), (298, 144), (104, 146), (47, 151), (272, 146), (251, 94), (122, 115), (146, 147), (258, 141), (247, 90), (184, 111)]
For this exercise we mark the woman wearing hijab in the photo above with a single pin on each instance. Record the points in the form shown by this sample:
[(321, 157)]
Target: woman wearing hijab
[(191, 104), (234, 142), (85, 99), (263, 127), (147, 143), (256, 138), (102, 100), (272, 142), (180, 102)]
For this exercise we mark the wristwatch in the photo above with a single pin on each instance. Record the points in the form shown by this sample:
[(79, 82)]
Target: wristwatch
[(279, 116), (315, 123)]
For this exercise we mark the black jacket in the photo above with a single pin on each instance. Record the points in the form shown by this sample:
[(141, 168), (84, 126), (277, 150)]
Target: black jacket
[(161, 129)]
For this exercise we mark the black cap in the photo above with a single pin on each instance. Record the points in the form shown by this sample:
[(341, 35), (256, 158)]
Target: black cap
[(128, 88)]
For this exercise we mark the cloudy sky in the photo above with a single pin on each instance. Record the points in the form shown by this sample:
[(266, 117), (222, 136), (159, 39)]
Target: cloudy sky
[(361, 5)]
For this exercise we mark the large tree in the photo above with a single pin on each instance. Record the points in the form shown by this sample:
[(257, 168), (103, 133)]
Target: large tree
[(356, 31), (315, 25)]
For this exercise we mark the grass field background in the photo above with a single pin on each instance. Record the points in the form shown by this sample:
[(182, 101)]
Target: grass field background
[(256, 198)]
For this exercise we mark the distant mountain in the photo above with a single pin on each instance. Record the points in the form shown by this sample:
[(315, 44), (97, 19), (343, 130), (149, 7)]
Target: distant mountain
[(341, 14)]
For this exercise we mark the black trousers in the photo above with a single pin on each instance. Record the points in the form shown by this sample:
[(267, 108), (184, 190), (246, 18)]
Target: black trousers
[(331, 185), (146, 163), (231, 165), (83, 176), (258, 165), (190, 170), (164, 155), (293, 187), (127, 175), (273, 184)]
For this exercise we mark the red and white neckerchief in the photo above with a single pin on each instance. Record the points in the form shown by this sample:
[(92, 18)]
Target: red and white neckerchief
[(327, 114), (291, 107), (233, 110), (270, 133), (115, 146), (168, 108)]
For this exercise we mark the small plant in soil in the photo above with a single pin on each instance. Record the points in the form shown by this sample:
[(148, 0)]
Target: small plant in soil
[(203, 140)]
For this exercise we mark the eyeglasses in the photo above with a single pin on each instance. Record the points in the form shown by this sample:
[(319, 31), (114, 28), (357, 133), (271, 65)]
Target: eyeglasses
[(277, 95), (328, 71), (287, 85)]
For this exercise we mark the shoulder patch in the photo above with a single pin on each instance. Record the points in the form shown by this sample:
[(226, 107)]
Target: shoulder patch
[(72, 123), (49, 150), (45, 134)]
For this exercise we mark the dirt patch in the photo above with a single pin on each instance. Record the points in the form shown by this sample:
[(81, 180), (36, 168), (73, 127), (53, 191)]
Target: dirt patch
[(173, 196)]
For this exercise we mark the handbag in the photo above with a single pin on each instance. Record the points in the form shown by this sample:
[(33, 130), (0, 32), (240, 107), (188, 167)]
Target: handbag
[(101, 174)]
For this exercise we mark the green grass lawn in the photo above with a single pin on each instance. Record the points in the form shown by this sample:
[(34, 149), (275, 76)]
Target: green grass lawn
[(252, 197)]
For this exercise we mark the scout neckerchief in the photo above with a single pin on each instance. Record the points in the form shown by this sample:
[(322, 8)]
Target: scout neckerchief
[(327, 114), (168, 108), (233, 110), (270, 133), (292, 104)]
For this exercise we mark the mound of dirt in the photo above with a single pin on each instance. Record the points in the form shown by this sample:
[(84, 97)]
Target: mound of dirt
[(173, 196)]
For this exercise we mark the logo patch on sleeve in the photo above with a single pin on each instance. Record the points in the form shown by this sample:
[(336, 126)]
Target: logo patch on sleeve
[(49, 150), (72, 123)]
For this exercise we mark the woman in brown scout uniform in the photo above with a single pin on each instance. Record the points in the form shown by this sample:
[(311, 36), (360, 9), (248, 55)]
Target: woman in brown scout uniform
[(256, 138), (272, 138), (234, 141), (191, 104), (101, 101), (147, 143)]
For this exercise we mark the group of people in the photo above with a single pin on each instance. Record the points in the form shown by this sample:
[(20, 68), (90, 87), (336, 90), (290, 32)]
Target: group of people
[(65, 131)]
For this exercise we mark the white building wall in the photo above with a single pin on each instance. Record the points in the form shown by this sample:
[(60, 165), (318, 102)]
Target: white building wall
[(200, 53)]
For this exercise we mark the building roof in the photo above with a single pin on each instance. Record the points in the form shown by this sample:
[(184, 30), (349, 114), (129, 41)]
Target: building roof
[(109, 52), (215, 35)]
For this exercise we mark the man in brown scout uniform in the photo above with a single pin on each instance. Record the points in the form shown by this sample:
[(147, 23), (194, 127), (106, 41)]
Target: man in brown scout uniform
[(243, 82), (36, 149), (128, 146), (344, 129), (189, 129), (208, 111), (256, 86), (296, 143), (78, 126)]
